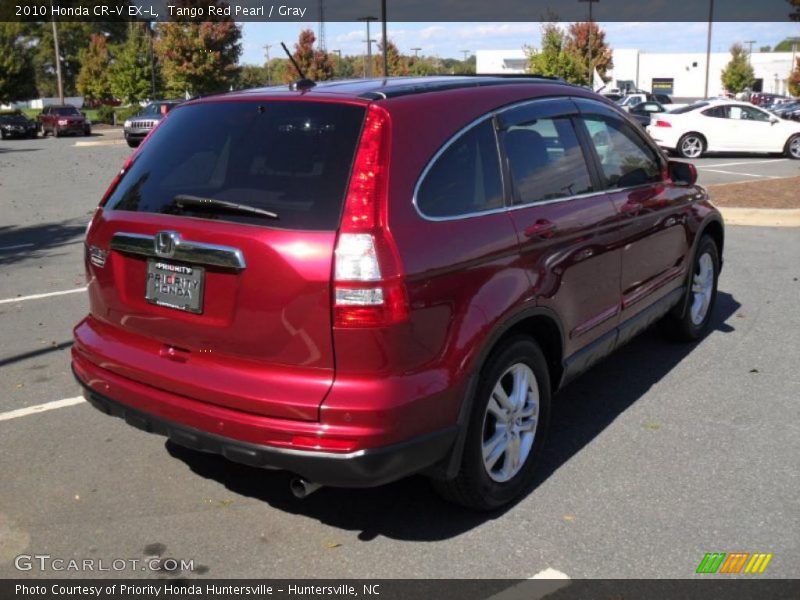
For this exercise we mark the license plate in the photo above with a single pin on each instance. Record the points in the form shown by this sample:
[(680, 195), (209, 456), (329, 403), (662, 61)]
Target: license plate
[(175, 286)]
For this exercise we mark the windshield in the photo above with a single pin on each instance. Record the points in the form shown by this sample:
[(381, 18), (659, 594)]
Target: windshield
[(67, 111), (685, 109), (290, 158)]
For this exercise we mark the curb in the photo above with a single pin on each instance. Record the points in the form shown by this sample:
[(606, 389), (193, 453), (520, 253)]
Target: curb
[(761, 217)]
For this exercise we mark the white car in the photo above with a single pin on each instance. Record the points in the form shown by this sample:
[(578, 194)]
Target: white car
[(724, 126)]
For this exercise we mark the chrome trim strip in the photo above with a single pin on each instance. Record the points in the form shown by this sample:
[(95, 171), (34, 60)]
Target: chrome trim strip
[(492, 211), (199, 253)]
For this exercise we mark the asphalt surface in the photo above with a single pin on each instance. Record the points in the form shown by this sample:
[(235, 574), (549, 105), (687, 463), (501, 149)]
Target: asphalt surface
[(658, 455), (734, 168)]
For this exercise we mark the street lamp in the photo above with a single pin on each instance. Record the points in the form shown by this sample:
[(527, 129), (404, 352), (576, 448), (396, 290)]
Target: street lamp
[(591, 31), (369, 40), (269, 70), (749, 49), (708, 44)]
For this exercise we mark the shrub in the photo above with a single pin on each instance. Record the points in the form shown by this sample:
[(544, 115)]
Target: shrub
[(105, 114)]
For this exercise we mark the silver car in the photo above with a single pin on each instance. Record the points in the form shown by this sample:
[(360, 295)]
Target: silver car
[(139, 125)]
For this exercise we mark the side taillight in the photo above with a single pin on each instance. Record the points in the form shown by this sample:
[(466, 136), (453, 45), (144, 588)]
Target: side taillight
[(660, 123), (368, 290)]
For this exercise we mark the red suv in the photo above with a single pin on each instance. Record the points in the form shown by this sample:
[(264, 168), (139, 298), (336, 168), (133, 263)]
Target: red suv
[(358, 281)]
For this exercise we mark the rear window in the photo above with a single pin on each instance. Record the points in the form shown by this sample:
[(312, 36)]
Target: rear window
[(290, 158)]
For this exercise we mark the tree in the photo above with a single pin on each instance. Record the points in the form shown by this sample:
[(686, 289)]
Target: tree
[(315, 63), (398, 64), (794, 80), (252, 76), (16, 64), (130, 76), (588, 43), (199, 57), (554, 59), (786, 44), (765, 48), (738, 75), (93, 81)]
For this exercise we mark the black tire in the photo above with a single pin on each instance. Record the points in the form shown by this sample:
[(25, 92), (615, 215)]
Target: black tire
[(685, 326), (473, 487), (133, 143), (2, 134), (685, 143), (792, 149), (56, 132)]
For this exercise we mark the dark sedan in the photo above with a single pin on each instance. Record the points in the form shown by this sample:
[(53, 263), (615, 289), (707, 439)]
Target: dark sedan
[(642, 111), (17, 125), (139, 125)]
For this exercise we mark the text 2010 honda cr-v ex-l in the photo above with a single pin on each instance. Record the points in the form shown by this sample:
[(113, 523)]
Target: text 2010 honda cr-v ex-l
[(358, 281)]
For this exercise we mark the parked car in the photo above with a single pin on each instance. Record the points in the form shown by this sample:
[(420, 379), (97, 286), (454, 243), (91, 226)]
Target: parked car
[(761, 98), (17, 125), (60, 119), (137, 127), (630, 101), (357, 281), (787, 110), (725, 127), (643, 111)]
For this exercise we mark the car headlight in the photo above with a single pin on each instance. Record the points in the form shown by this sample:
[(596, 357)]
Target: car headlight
[(127, 123)]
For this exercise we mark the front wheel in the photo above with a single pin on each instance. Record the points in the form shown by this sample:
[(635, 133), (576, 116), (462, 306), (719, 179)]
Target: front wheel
[(793, 147), (695, 321), (507, 428), (691, 145)]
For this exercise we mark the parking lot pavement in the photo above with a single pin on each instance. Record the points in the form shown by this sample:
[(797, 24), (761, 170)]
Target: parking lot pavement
[(658, 455), (743, 167)]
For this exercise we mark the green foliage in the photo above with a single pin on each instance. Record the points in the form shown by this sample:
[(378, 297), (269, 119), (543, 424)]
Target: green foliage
[(587, 43), (199, 58), (738, 75), (252, 76), (126, 112), (786, 45), (92, 82), (554, 58), (105, 114), (16, 64), (398, 64), (130, 75), (72, 38)]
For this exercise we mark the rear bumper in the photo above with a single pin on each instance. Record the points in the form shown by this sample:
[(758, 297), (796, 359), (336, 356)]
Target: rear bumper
[(149, 410)]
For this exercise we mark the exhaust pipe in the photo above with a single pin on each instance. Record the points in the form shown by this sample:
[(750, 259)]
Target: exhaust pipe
[(301, 488)]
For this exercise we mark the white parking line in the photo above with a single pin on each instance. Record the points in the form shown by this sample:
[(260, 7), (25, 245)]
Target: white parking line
[(748, 162), (555, 580), (37, 296), (14, 247), (744, 174), (40, 408)]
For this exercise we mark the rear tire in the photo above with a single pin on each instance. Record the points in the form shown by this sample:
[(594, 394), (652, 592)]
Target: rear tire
[(793, 147), (133, 143), (691, 145), (695, 321), (56, 132), (507, 428)]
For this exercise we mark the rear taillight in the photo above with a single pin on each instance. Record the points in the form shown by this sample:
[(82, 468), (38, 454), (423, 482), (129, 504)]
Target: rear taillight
[(662, 124), (369, 290)]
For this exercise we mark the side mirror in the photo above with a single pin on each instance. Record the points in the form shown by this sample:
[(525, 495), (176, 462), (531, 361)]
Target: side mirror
[(773, 120), (682, 173)]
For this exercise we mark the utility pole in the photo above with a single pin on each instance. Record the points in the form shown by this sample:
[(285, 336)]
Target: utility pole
[(369, 40), (152, 61), (591, 35), (58, 57), (416, 52), (269, 68), (385, 41), (466, 54), (749, 49), (708, 45)]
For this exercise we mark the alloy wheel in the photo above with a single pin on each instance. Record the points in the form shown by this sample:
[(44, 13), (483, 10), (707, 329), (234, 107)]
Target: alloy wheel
[(702, 288), (509, 423), (692, 147)]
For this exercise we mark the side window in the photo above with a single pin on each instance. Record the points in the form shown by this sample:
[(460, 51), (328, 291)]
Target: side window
[(546, 161), (625, 159), (465, 178), (719, 112), (747, 113)]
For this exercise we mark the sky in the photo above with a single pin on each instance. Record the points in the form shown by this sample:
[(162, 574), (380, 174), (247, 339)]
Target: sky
[(448, 40)]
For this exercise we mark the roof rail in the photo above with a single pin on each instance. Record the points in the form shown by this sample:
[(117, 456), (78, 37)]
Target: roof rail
[(505, 76), (456, 82)]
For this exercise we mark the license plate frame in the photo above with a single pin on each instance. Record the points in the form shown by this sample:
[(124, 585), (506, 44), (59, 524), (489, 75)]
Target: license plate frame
[(175, 285)]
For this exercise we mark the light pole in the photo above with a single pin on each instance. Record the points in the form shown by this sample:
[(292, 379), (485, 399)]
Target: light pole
[(466, 54), (269, 70), (369, 40), (150, 26), (385, 41), (708, 45), (416, 52), (749, 49)]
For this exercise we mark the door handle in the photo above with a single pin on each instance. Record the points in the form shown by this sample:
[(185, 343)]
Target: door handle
[(631, 207), (542, 227)]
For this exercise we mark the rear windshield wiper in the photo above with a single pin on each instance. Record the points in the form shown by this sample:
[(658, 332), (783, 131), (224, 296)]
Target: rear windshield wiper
[(186, 201)]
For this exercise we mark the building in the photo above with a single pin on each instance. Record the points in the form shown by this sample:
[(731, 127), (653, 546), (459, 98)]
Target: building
[(681, 75)]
